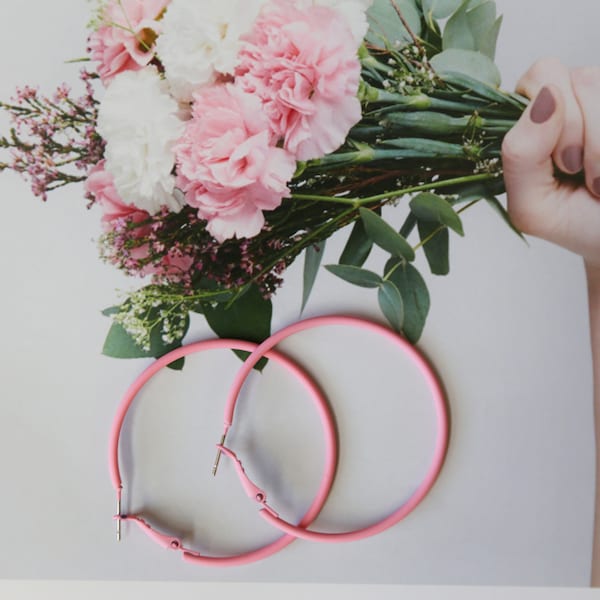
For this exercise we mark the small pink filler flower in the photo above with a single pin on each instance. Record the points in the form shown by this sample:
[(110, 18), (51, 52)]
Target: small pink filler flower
[(125, 40), (131, 232), (227, 164), (303, 64)]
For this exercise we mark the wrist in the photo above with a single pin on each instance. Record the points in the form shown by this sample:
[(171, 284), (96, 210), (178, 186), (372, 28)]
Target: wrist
[(592, 272)]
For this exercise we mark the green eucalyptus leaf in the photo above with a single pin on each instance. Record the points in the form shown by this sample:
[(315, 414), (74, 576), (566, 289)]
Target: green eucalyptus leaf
[(430, 207), (440, 9), (415, 297), (482, 20), (356, 275), (469, 24), (467, 62), (247, 318), (358, 247), (177, 365), (312, 261), (473, 27), (385, 236), (120, 344), (391, 304), (408, 225), (487, 42), (437, 247), (214, 293), (386, 27), (432, 36), (457, 32), (111, 310), (497, 206)]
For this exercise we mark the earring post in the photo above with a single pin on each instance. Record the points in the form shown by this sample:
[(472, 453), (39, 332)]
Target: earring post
[(218, 456), (118, 519)]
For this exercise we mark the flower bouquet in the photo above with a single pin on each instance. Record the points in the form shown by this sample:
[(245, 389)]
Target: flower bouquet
[(221, 141)]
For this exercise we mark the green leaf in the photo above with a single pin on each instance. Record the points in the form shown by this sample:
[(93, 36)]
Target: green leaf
[(495, 204), (415, 297), (440, 9), (384, 23), (429, 207), (177, 365), (312, 260), (408, 225), (120, 344), (467, 62), (358, 247), (111, 310), (391, 304), (355, 275), (247, 318), (214, 293), (473, 27), (385, 236), (487, 43), (437, 248), (432, 36)]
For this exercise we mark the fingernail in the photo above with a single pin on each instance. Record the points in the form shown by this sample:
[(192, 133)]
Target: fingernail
[(572, 157), (543, 107), (596, 186)]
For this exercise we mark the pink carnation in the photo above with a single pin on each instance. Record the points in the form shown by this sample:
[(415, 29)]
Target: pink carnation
[(125, 41), (118, 218), (100, 186), (303, 64), (227, 164)]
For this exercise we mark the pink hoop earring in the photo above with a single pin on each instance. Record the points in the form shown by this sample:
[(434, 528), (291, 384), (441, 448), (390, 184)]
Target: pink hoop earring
[(173, 543), (441, 445)]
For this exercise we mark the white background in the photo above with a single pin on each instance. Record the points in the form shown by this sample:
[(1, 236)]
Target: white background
[(508, 333)]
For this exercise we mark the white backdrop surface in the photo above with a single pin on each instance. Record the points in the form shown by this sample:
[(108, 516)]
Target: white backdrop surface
[(508, 333)]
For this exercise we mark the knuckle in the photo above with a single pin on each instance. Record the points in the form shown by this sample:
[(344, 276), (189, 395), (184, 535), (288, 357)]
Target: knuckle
[(514, 150), (545, 69), (588, 76), (548, 65)]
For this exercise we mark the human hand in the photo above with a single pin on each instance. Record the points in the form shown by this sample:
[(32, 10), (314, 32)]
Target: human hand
[(560, 129)]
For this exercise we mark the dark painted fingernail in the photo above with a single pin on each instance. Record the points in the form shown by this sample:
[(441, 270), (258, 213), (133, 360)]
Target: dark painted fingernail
[(572, 157), (543, 107), (596, 186)]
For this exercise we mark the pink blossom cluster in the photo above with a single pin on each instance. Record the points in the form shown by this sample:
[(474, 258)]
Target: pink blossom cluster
[(292, 96), (53, 138), (134, 247), (173, 247)]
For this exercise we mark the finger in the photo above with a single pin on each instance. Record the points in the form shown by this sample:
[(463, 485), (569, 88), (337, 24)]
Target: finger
[(586, 84), (568, 154), (527, 161)]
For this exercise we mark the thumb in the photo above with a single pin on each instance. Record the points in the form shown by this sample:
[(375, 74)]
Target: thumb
[(527, 161)]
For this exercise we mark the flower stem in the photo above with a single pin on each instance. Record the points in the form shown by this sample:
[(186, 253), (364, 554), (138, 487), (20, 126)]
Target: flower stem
[(358, 202), (425, 240)]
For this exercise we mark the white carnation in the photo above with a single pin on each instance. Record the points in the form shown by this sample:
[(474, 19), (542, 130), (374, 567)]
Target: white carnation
[(138, 121), (354, 13), (200, 39)]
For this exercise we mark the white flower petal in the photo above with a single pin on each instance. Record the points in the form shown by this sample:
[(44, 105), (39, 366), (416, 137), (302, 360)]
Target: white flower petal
[(201, 39), (138, 120)]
